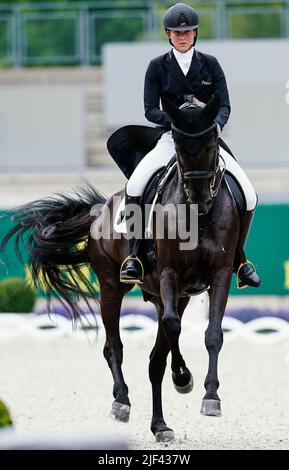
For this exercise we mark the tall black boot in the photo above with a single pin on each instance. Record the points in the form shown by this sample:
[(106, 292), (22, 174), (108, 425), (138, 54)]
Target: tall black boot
[(132, 271), (245, 269)]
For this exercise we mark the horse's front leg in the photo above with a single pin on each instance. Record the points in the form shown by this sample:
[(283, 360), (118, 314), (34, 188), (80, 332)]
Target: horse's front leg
[(171, 320), (218, 294), (157, 366)]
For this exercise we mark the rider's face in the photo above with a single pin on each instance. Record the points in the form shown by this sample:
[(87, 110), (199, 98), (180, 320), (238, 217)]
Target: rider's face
[(182, 40)]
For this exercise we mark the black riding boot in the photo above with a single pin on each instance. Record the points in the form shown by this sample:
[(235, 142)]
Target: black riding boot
[(131, 271), (244, 268)]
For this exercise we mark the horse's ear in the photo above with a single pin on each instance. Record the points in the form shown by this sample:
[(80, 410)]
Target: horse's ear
[(212, 107), (172, 110)]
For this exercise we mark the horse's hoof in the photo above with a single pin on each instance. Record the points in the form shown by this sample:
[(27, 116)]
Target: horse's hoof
[(183, 387), (165, 436), (120, 412), (211, 407)]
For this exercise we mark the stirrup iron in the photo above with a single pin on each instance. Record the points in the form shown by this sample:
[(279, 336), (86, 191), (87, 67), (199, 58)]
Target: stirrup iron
[(132, 281), (238, 281)]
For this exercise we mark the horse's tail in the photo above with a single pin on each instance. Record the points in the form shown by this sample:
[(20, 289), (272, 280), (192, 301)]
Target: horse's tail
[(54, 231)]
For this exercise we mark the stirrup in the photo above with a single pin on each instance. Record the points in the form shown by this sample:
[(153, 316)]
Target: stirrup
[(238, 281), (132, 281)]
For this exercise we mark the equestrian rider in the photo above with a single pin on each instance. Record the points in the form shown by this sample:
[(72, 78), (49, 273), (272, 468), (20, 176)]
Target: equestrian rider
[(181, 72)]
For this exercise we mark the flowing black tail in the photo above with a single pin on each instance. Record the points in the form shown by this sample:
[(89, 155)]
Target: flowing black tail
[(55, 230)]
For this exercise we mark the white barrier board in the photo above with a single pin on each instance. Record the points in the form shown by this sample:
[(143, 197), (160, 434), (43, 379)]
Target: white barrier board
[(41, 127)]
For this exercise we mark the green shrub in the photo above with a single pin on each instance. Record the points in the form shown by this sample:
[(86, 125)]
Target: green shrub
[(16, 296), (5, 418)]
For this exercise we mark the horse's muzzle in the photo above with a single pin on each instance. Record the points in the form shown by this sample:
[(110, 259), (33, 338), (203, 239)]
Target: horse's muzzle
[(204, 208)]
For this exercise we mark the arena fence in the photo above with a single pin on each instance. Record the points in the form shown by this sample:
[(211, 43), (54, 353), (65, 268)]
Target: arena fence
[(73, 33), (264, 330)]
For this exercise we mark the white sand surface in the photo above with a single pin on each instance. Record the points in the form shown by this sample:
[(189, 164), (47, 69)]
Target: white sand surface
[(64, 385)]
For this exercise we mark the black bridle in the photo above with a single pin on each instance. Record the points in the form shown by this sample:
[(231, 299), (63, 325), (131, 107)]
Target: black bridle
[(202, 174)]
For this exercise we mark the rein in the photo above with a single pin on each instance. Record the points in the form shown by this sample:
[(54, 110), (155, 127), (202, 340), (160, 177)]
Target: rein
[(198, 134)]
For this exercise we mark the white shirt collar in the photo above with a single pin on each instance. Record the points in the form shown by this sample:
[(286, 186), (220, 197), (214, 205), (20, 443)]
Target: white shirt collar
[(184, 56), (184, 59)]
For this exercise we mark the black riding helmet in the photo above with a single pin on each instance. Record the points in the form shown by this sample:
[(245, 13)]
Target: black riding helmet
[(181, 17)]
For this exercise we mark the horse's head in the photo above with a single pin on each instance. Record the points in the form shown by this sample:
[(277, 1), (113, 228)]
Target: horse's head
[(196, 139)]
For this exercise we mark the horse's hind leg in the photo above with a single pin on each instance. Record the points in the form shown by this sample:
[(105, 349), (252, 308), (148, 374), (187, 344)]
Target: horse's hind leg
[(110, 304), (218, 293)]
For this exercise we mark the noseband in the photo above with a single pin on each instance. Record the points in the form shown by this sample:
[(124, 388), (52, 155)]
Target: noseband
[(202, 174)]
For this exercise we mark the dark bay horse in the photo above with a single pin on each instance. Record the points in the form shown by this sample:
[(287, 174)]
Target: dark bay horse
[(57, 233)]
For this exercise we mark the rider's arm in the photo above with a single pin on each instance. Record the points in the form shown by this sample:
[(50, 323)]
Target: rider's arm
[(152, 94), (219, 85)]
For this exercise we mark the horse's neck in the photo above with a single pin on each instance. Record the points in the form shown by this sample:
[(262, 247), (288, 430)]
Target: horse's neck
[(174, 191), (181, 197)]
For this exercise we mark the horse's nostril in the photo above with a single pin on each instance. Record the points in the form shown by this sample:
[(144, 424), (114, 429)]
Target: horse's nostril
[(205, 207), (208, 201), (203, 210)]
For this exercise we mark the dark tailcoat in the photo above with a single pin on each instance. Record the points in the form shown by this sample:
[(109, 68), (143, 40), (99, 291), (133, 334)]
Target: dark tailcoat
[(164, 77)]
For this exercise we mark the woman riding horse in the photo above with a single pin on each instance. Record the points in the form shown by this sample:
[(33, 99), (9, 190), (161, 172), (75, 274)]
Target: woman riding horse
[(185, 74), (61, 235)]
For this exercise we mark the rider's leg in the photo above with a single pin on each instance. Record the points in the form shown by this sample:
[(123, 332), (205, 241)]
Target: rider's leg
[(246, 272), (131, 269), (155, 159), (244, 269)]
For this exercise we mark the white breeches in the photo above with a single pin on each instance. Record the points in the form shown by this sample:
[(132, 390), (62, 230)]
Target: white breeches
[(161, 155)]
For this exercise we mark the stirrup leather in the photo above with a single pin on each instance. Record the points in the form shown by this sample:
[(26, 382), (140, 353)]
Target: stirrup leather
[(132, 281), (239, 283)]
